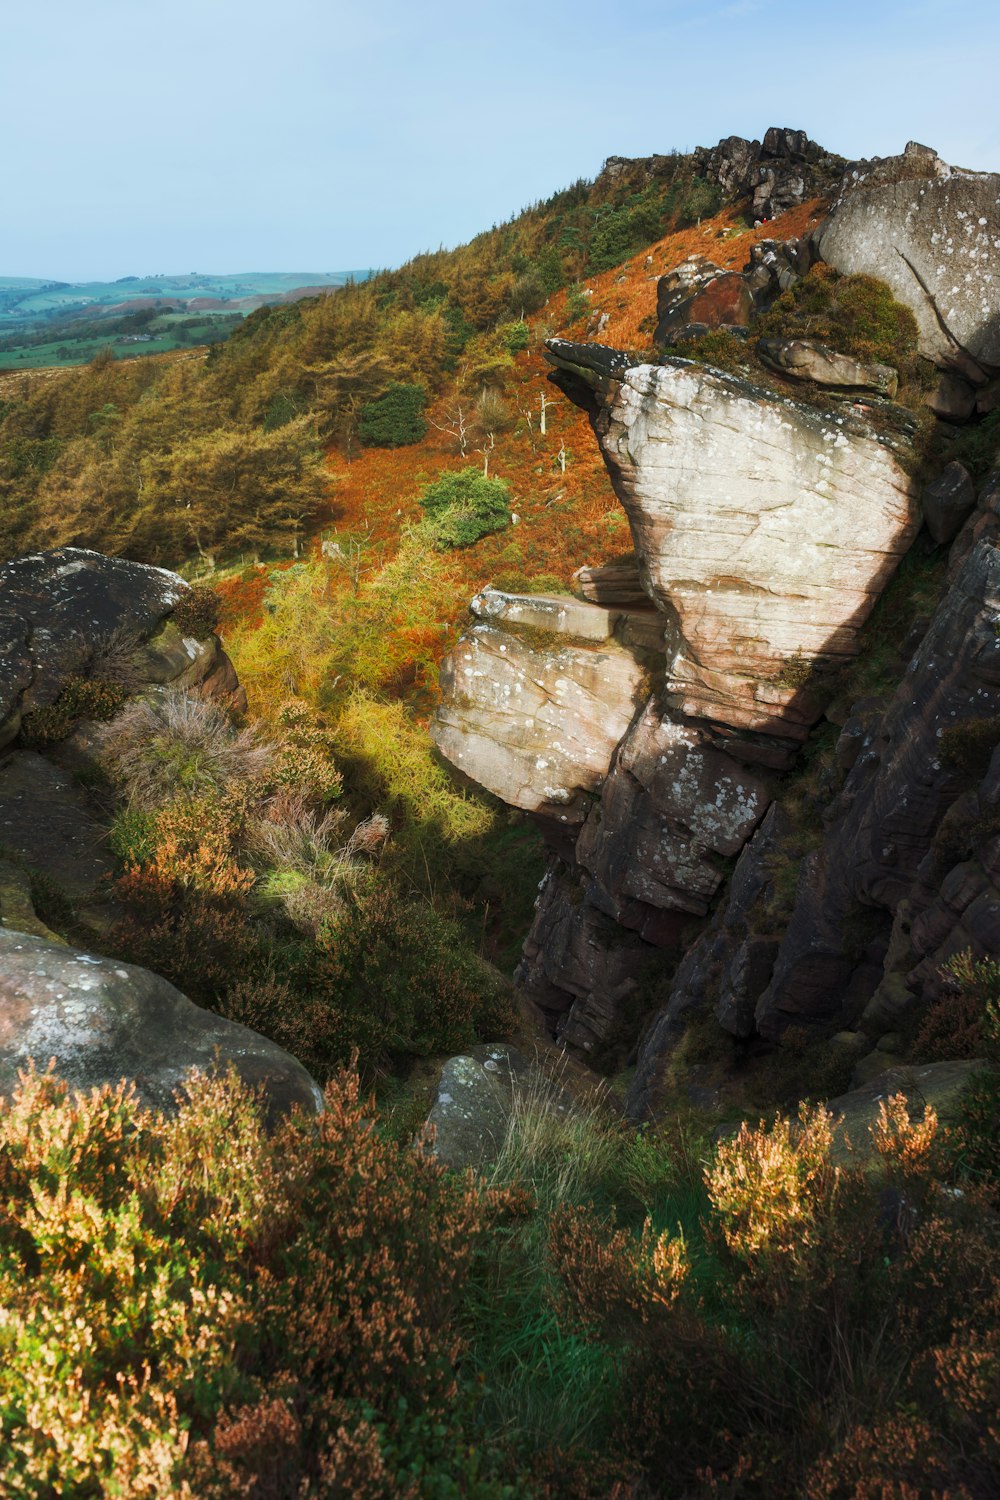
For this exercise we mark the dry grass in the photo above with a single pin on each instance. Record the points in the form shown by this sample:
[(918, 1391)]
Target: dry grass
[(173, 745)]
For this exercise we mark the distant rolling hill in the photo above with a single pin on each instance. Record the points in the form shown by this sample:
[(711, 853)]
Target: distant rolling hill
[(60, 322)]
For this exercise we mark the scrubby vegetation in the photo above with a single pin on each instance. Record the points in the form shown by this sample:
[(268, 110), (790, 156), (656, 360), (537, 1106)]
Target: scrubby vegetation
[(212, 1311), (197, 1307)]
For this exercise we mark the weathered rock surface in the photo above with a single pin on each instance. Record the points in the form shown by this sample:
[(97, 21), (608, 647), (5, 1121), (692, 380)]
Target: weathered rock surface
[(700, 293), (60, 610), (46, 824), (933, 239), (784, 169), (475, 1098), (578, 965), (536, 721), (672, 809), (804, 359), (727, 968), (883, 823), (615, 584), (102, 1021), (764, 529), (948, 502)]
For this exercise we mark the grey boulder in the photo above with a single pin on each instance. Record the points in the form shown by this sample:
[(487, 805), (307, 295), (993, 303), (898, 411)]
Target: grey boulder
[(99, 1021)]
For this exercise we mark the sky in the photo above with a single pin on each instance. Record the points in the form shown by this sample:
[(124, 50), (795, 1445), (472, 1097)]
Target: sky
[(329, 135)]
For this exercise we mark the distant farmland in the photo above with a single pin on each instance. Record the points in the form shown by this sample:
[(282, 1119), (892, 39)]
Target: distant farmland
[(44, 323)]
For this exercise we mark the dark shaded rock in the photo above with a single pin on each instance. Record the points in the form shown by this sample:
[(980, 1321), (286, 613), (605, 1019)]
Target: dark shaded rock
[(948, 502), (60, 611), (616, 584), (727, 968), (102, 1021), (671, 808), (803, 359), (579, 966), (894, 799), (46, 823), (952, 399)]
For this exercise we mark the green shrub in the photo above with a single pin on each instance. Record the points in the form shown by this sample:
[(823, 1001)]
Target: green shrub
[(399, 978), (395, 419), (464, 505), (516, 336)]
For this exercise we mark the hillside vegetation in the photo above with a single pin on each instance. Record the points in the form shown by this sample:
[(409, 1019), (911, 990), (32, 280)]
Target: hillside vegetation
[(205, 1307)]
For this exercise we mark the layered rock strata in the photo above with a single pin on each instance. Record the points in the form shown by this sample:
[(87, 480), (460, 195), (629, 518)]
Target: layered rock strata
[(535, 716), (765, 529)]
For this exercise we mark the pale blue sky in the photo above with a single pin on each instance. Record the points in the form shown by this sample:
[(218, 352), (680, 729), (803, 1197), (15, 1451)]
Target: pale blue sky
[(228, 135)]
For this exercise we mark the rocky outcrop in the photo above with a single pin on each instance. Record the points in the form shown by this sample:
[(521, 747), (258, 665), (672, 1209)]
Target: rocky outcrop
[(63, 613), (804, 359), (98, 1021), (931, 233), (765, 529), (535, 717), (696, 296), (784, 169)]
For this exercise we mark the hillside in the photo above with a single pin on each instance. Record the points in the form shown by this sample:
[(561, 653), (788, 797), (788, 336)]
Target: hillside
[(555, 687)]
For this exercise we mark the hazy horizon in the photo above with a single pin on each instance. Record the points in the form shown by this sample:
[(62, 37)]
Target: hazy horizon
[(347, 136)]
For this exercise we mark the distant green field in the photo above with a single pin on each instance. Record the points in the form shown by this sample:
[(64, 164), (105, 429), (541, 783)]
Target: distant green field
[(25, 301), (79, 351), (44, 323)]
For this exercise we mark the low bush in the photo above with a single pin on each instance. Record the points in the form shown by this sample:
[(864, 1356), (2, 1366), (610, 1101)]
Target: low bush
[(397, 978), (464, 505), (198, 612), (193, 1308), (81, 698), (178, 745)]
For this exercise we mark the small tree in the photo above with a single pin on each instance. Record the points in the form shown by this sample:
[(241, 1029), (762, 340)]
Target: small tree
[(395, 419), (465, 505)]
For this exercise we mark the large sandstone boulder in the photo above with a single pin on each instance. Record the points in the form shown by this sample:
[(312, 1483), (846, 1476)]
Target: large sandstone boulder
[(99, 1021), (536, 717), (933, 239), (765, 529)]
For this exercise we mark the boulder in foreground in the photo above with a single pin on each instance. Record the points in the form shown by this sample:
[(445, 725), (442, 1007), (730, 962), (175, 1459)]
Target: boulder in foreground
[(100, 1021)]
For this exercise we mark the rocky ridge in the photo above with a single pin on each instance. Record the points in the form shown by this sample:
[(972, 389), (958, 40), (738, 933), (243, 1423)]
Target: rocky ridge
[(765, 530)]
